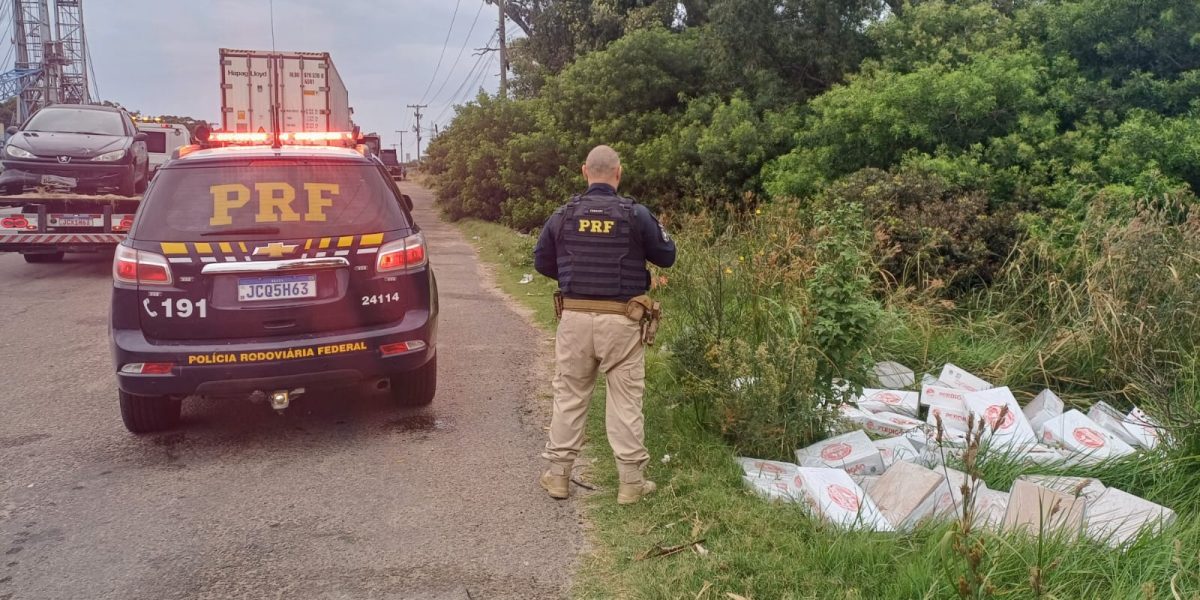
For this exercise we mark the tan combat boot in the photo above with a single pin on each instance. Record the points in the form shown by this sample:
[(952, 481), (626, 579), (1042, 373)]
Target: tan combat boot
[(633, 487), (557, 480)]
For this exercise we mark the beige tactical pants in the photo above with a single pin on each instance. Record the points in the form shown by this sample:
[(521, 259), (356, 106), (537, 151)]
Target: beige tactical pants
[(587, 344)]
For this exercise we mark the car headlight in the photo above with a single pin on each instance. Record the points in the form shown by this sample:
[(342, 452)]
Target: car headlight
[(111, 156), (16, 152)]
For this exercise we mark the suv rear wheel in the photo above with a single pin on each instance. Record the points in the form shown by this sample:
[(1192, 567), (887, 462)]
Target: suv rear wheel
[(416, 388), (145, 414)]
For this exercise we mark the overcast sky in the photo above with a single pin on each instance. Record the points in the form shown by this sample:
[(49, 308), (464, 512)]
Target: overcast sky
[(160, 56)]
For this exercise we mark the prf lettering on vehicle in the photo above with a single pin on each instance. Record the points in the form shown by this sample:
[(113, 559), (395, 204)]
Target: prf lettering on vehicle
[(595, 226), (275, 201)]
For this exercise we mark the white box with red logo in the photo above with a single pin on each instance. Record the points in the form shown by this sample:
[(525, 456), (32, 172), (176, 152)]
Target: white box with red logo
[(896, 401), (932, 394), (1014, 431), (1042, 408), (770, 488), (890, 424), (954, 419), (851, 414), (1083, 437), (832, 495), (852, 452), (766, 469), (960, 378)]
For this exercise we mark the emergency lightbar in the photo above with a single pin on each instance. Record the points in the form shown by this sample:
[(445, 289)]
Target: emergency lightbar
[(286, 137)]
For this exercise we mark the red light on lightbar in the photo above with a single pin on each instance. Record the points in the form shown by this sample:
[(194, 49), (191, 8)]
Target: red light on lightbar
[(400, 348), (241, 137), (148, 368)]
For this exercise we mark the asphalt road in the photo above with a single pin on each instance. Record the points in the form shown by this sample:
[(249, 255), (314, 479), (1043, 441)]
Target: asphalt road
[(344, 496)]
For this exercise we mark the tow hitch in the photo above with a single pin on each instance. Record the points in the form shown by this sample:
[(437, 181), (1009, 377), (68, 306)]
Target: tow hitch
[(280, 399)]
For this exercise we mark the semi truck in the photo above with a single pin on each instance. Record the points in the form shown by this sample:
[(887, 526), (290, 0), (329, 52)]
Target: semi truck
[(389, 159), (266, 91)]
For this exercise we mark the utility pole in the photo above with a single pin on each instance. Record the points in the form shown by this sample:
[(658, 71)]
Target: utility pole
[(503, 55), (401, 132), (417, 128)]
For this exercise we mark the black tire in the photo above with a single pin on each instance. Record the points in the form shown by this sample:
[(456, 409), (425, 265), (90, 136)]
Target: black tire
[(417, 387), (128, 185), (43, 257), (140, 186), (146, 414)]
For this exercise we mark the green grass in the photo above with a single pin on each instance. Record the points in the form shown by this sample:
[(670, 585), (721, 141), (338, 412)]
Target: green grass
[(761, 550)]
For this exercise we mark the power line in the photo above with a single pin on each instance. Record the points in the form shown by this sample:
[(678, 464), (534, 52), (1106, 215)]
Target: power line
[(465, 89), (458, 58), (472, 74), (442, 54)]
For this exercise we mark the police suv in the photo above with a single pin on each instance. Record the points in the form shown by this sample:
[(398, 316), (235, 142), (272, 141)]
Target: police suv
[(267, 269)]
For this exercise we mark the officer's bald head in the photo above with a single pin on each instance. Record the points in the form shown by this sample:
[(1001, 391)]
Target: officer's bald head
[(603, 166)]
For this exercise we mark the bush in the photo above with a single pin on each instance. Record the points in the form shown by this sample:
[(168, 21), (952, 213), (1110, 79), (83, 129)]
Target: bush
[(763, 314), (928, 233)]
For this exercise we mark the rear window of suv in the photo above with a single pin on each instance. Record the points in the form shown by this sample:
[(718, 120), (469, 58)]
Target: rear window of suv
[(268, 199)]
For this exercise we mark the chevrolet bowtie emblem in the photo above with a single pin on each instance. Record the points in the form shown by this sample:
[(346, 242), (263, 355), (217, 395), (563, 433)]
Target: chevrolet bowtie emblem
[(275, 250)]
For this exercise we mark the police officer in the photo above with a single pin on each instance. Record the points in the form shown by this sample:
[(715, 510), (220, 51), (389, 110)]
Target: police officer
[(597, 247)]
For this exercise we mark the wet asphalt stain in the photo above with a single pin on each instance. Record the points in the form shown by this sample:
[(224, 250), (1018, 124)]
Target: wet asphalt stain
[(419, 424)]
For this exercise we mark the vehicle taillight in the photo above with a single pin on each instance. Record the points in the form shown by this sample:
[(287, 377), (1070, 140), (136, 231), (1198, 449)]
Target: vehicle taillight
[(15, 222), (407, 254), (148, 368), (401, 347), (140, 267)]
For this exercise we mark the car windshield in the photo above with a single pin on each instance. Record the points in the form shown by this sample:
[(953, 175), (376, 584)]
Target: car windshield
[(267, 199), (76, 120)]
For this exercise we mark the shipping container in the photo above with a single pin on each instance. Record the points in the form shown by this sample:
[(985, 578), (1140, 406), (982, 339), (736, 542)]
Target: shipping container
[(303, 88)]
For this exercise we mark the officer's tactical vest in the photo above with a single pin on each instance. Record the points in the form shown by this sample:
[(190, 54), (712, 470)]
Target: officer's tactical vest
[(600, 253)]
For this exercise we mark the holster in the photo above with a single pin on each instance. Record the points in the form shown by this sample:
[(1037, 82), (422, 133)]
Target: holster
[(648, 312), (558, 305)]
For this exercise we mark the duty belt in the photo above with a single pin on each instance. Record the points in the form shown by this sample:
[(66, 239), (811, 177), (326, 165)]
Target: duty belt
[(606, 307)]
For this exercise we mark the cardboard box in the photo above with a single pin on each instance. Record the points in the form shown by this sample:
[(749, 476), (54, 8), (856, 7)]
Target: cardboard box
[(1117, 517), (851, 414), (1083, 438), (894, 449), (1147, 430), (928, 379), (1041, 454), (896, 401), (894, 375), (949, 497), (906, 494), (1035, 510), (960, 378), (954, 418), (890, 424), (1042, 408), (866, 482), (852, 452), (831, 495), (932, 394), (766, 469), (779, 490), (1088, 488), (990, 507), (1116, 423), (1014, 431)]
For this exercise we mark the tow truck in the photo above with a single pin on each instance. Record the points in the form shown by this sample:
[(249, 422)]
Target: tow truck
[(44, 225)]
